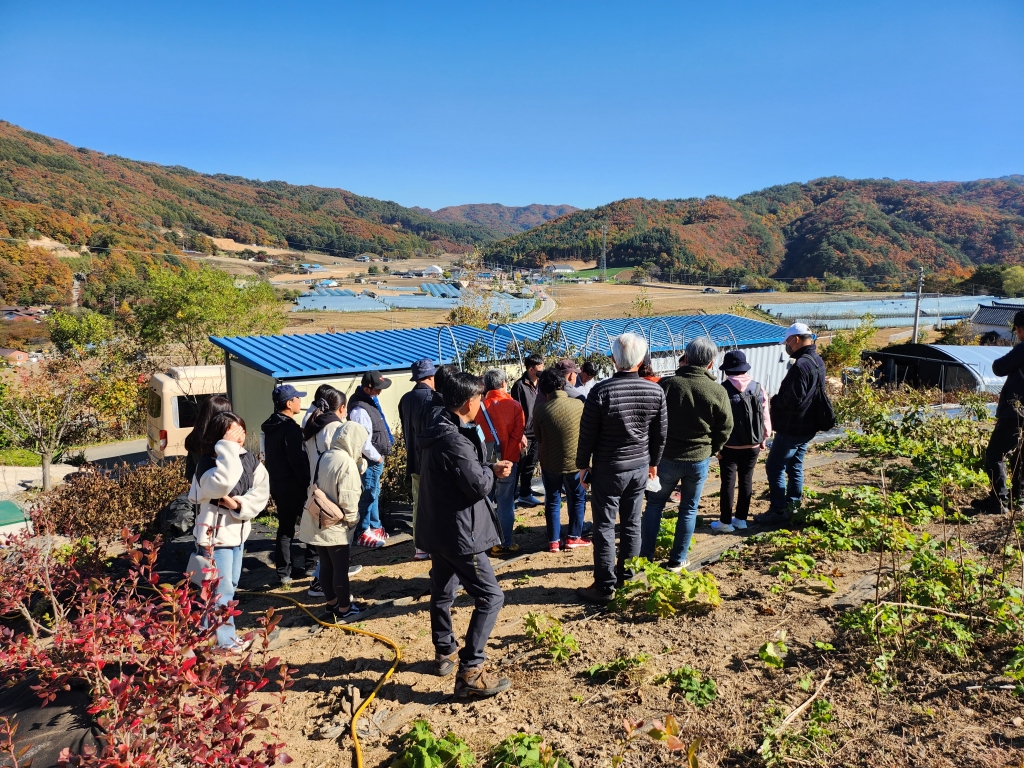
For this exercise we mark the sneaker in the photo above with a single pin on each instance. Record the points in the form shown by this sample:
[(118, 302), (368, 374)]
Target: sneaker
[(576, 542), (717, 526), (473, 682), (315, 590), (739, 525), (446, 664), (991, 505), (528, 501), (678, 568), (770, 518), (421, 555), (501, 551), (593, 595), (554, 546), (354, 569), (381, 534), (336, 616), (368, 540)]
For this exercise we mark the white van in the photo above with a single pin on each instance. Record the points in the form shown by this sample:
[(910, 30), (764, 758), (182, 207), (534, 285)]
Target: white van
[(174, 400)]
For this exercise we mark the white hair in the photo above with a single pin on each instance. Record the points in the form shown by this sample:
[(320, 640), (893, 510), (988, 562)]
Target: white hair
[(700, 352), (628, 351)]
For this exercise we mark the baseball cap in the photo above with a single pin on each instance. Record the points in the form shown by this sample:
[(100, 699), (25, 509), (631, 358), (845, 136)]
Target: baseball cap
[(567, 365), (422, 369), (375, 380), (799, 329), (285, 392)]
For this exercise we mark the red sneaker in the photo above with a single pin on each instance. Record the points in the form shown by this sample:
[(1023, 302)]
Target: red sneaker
[(575, 542), (554, 547)]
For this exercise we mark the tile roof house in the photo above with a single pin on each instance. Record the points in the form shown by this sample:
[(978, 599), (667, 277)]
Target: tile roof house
[(996, 318)]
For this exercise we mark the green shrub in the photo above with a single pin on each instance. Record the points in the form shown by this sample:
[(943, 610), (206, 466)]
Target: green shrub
[(525, 750), (695, 688), (662, 593), (621, 670), (546, 632)]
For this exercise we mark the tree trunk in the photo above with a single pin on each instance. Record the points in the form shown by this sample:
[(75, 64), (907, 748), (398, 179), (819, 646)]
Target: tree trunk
[(47, 457)]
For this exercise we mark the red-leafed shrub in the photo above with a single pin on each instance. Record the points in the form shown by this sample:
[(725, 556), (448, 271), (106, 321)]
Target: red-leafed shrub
[(161, 693)]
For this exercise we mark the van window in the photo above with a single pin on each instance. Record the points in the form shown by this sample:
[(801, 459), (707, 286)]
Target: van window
[(188, 408), (155, 404)]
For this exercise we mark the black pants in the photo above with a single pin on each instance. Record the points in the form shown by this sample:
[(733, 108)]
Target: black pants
[(737, 462), (334, 574), (1005, 440), (475, 574), (615, 495), (527, 464), (289, 553)]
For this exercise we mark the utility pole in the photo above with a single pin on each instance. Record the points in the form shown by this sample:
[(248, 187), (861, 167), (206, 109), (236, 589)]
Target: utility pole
[(604, 250), (917, 305)]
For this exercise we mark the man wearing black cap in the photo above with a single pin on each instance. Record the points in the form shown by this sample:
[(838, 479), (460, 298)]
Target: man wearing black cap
[(364, 408), (1009, 422), (288, 467), (411, 408)]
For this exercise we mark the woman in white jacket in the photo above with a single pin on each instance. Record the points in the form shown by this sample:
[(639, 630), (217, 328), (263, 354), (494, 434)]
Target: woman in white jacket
[(337, 475), (231, 487)]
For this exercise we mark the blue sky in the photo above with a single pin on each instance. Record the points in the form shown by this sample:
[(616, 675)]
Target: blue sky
[(437, 104)]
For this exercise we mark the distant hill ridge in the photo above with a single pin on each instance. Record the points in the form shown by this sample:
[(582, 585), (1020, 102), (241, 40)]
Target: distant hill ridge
[(507, 220), (878, 230)]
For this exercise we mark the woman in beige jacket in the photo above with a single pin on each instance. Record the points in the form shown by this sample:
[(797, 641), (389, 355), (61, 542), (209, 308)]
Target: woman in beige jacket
[(338, 476)]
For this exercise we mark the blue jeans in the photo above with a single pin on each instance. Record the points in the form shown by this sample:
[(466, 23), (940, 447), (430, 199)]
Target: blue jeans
[(504, 497), (576, 500), (369, 500), (786, 460), (692, 475), (229, 567)]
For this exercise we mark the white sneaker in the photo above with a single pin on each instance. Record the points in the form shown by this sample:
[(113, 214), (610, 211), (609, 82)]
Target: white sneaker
[(740, 525), (717, 526), (678, 568)]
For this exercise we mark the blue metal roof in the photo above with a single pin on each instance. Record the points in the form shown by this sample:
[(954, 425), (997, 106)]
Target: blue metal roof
[(309, 355)]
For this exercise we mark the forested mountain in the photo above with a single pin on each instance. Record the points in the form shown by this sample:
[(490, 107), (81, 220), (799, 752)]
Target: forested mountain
[(111, 204), (878, 230), (504, 219)]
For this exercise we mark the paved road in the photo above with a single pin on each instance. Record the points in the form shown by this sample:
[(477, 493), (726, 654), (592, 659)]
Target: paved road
[(547, 306), (130, 452)]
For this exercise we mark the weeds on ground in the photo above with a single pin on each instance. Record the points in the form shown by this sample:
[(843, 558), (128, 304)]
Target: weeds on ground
[(666, 731), (525, 750), (546, 632), (694, 686), (662, 593), (420, 748), (622, 670), (773, 653), (814, 744)]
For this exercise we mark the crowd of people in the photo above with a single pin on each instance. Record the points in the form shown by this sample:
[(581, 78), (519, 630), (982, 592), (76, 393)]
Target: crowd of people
[(473, 447)]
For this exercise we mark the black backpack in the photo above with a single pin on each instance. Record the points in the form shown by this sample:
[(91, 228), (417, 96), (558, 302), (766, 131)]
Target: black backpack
[(747, 414), (822, 412)]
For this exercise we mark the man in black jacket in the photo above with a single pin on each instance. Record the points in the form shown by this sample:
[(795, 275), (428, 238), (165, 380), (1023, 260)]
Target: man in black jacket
[(793, 420), (622, 438), (411, 408), (457, 526), (288, 467), (524, 391), (1006, 436)]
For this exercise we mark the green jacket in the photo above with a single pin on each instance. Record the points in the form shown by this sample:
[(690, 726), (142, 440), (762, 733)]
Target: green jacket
[(556, 424), (699, 414)]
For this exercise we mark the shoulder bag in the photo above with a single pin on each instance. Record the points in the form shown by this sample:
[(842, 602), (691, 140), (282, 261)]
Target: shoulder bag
[(323, 510)]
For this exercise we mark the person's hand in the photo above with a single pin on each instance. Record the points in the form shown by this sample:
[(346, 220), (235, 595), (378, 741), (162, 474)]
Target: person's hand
[(524, 444), (502, 469), (718, 455), (235, 434), (764, 445), (652, 472), (230, 502), (581, 475)]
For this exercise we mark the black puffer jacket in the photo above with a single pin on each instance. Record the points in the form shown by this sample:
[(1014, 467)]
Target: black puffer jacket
[(285, 457), (526, 394), (624, 424), (791, 407), (454, 515), (1010, 365)]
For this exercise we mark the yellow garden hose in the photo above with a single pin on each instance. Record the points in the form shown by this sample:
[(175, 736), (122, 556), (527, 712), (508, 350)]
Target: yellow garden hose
[(380, 683)]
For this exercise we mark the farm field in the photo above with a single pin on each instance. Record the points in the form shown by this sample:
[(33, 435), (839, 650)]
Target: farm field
[(815, 611)]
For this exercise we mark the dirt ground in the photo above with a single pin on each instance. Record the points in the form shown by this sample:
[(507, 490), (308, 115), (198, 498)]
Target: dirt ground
[(934, 720)]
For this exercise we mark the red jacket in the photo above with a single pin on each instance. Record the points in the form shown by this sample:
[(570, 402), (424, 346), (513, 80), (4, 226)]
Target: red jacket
[(509, 422)]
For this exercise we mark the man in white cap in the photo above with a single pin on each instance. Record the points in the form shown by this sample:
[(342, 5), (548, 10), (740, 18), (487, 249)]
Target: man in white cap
[(794, 419)]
